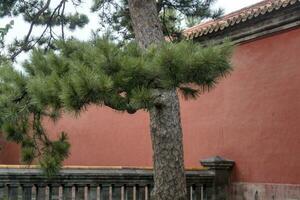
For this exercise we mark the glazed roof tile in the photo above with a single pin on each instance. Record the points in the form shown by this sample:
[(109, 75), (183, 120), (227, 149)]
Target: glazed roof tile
[(237, 17)]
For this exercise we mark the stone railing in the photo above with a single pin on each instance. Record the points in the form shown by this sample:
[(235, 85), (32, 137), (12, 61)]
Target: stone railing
[(100, 183)]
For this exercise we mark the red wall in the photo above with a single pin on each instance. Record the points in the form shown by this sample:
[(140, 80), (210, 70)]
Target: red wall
[(9, 152), (252, 117)]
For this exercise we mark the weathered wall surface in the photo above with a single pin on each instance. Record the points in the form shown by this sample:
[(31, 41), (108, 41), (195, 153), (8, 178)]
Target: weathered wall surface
[(9, 152), (259, 191), (252, 117)]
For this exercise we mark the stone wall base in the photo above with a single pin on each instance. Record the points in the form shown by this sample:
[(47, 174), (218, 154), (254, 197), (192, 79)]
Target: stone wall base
[(262, 191)]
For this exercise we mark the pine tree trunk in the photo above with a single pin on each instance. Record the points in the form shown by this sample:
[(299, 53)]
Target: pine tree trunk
[(166, 131), (166, 135)]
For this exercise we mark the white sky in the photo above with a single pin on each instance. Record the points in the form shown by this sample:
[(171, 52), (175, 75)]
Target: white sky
[(21, 28), (233, 5)]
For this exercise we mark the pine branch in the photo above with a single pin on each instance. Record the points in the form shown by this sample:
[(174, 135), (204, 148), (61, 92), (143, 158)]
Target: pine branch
[(26, 40), (100, 72)]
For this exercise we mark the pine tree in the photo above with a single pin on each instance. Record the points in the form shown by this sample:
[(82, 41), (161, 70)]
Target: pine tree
[(51, 15), (145, 74)]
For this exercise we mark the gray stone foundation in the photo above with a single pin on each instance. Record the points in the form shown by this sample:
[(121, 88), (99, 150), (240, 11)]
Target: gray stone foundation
[(268, 191)]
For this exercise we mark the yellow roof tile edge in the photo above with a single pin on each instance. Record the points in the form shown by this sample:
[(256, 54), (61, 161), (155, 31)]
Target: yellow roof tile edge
[(236, 17)]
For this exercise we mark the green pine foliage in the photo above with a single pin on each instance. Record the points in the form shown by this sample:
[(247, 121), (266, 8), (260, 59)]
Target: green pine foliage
[(172, 14), (54, 18), (99, 72), (70, 75), (21, 119), (50, 16)]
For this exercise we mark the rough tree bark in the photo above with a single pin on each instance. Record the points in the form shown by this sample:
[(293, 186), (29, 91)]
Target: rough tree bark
[(165, 123)]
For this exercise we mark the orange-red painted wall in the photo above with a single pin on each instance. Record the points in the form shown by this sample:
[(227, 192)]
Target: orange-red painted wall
[(252, 117), (9, 152)]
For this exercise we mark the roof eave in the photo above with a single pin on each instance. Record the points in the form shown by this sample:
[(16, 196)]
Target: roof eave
[(281, 19)]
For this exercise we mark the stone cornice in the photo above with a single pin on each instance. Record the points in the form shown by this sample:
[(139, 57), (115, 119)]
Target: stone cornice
[(92, 175)]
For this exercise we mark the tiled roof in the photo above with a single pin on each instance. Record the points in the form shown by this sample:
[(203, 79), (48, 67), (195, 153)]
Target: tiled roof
[(237, 17)]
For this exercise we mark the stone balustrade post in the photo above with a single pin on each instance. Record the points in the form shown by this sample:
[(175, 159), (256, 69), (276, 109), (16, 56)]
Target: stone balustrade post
[(222, 169)]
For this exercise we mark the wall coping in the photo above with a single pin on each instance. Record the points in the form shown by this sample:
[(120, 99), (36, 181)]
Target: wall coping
[(286, 17), (95, 167), (25, 176)]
